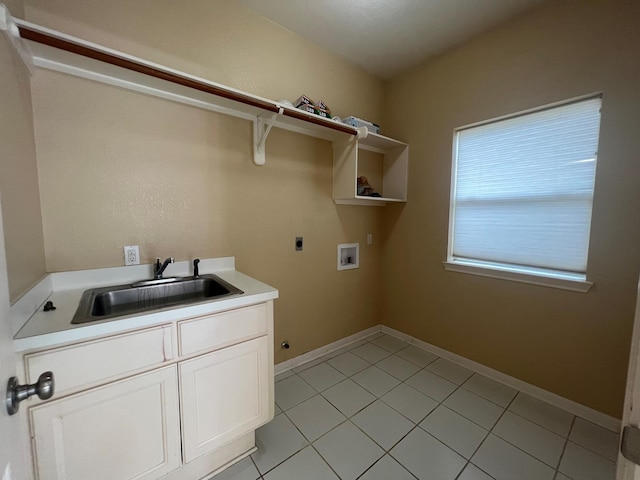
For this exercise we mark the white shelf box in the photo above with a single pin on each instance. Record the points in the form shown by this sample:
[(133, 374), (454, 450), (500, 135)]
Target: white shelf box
[(382, 160), (348, 256)]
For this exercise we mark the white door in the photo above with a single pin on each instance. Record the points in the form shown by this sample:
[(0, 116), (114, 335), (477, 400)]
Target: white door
[(13, 460), (631, 414), (13, 463), (224, 395), (126, 430)]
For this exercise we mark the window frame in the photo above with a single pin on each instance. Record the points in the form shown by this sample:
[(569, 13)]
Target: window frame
[(517, 273)]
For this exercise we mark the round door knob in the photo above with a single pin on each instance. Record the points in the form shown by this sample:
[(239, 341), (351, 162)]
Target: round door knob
[(44, 388)]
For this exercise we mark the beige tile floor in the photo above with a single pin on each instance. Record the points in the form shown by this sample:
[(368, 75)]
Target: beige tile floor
[(386, 410)]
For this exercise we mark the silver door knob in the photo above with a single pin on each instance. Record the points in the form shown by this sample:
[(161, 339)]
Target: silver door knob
[(44, 388)]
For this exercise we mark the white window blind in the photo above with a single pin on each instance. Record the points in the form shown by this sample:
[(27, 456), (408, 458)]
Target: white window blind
[(523, 190)]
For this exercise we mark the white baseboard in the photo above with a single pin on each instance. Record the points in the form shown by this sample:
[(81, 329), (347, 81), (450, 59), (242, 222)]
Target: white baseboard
[(570, 406), (324, 350)]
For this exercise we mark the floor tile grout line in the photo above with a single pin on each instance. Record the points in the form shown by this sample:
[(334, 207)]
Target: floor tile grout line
[(330, 430), (382, 447), (349, 417), (324, 459), (377, 461), (396, 410), (357, 427), (564, 447), (471, 419), (569, 439), (333, 354), (589, 450), (254, 466), (293, 454), (485, 438), (539, 424), (523, 450), (516, 446), (376, 397)]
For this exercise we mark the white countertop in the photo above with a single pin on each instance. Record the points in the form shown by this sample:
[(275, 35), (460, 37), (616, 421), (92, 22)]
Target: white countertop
[(46, 329)]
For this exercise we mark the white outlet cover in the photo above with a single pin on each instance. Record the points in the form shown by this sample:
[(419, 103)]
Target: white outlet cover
[(131, 255)]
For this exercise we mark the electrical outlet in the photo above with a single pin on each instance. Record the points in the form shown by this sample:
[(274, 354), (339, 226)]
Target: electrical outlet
[(369, 238), (298, 244), (131, 255)]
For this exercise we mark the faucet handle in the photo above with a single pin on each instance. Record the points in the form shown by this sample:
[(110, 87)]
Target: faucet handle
[(196, 272)]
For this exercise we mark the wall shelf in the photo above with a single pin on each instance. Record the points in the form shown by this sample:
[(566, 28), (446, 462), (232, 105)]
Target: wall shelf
[(384, 161), (63, 53)]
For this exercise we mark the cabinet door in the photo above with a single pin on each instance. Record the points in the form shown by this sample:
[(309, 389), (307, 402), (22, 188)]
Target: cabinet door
[(126, 430), (224, 395)]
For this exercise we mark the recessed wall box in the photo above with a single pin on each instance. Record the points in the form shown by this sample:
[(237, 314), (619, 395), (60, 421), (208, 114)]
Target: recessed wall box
[(348, 256)]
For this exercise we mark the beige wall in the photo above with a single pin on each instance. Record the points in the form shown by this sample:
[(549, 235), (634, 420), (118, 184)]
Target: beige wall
[(18, 175), (119, 168), (573, 344)]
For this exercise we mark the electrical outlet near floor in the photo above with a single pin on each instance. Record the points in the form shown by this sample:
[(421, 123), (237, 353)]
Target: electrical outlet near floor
[(131, 255)]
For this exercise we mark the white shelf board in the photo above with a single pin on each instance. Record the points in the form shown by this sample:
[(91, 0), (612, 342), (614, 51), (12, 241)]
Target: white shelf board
[(370, 201), (379, 143)]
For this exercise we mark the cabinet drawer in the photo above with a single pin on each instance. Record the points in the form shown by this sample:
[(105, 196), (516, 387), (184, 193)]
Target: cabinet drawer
[(215, 331), (100, 360)]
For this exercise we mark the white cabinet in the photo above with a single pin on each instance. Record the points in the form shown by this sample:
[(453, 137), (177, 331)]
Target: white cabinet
[(382, 160), (218, 403), (126, 430), (176, 401)]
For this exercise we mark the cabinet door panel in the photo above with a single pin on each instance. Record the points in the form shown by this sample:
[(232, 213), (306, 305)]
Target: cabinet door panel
[(125, 430), (224, 394)]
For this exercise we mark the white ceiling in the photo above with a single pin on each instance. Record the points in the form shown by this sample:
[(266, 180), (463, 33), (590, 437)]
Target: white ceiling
[(386, 37)]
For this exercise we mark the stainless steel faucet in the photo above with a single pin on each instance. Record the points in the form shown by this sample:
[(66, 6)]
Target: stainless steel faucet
[(158, 268)]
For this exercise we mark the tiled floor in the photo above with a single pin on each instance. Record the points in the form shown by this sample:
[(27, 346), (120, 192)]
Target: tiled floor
[(385, 410)]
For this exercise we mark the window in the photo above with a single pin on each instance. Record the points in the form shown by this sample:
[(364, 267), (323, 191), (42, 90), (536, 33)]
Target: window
[(522, 192)]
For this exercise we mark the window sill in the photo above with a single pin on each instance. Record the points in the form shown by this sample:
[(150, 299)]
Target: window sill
[(581, 286)]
